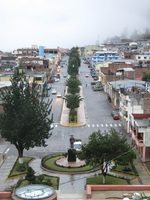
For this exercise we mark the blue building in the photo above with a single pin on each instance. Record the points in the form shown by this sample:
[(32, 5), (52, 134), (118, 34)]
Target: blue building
[(102, 56)]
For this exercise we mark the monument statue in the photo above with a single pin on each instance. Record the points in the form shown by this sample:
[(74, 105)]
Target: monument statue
[(72, 140), (71, 151)]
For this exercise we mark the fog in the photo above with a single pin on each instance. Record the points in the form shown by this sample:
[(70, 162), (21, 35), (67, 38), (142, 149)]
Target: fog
[(68, 23)]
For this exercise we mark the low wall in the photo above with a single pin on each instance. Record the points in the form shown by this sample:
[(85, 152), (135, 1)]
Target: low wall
[(91, 188), (5, 195)]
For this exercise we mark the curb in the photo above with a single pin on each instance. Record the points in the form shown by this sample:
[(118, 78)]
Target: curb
[(146, 168)]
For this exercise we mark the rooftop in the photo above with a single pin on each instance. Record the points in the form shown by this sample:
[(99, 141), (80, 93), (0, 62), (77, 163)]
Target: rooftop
[(127, 83), (143, 122), (126, 69)]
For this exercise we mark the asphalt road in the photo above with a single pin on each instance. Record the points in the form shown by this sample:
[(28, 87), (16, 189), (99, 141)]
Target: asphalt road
[(97, 112)]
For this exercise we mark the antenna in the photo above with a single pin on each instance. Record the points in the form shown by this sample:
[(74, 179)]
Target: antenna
[(97, 42)]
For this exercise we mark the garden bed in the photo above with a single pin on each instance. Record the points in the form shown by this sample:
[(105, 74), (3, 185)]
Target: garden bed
[(49, 162), (125, 168), (20, 169), (47, 180)]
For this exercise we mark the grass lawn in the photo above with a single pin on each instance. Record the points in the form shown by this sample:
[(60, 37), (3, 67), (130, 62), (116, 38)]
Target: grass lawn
[(49, 163), (18, 169), (110, 180)]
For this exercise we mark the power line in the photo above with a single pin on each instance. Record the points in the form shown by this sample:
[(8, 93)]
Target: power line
[(99, 168)]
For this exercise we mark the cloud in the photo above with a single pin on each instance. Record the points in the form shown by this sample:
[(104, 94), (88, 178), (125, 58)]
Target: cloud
[(67, 23)]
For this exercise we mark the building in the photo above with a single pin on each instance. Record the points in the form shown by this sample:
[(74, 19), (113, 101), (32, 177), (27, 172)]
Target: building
[(115, 88), (39, 63), (108, 72), (143, 59), (101, 56), (51, 53), (39, 77), (140, 129), (91, 50), (7, 63)]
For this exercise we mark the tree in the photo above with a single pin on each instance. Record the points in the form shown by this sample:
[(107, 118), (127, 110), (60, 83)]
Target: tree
[(73, 66), (74, 61), (103, 148), (146, 76), (74, 53), (73, 101), (25, 121), (73, 85)]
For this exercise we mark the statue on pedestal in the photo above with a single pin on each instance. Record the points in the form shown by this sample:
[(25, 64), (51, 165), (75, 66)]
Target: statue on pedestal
[(71, 151)]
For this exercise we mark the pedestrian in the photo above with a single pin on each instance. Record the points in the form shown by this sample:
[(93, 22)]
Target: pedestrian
[(86, 84)]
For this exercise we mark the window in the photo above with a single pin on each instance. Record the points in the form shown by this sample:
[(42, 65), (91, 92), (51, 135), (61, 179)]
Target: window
[(38, 78), (139, 57)]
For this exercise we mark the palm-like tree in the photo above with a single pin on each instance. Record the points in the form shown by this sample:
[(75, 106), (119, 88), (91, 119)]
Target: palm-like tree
[(73, 101), (73, 85)]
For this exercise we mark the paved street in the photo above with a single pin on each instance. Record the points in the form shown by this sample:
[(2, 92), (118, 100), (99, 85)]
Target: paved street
[(97, 115)]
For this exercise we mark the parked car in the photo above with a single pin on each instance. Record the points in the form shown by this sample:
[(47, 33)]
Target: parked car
[(93, 74), (95, 82), (64, 75), (116, 116), (51, 81), (95, 78), (48, 86), (97, 88), (86, 75), (54, 91), (114, 112), (77, 145)]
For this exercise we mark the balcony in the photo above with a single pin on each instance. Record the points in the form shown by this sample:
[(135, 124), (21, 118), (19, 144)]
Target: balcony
[(139, 142)]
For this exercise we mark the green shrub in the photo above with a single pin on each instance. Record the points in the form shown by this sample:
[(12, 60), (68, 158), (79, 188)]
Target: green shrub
[(40, 177), (21, 168), (73, 116), (30, 175), (127, 169), (47, 182), (134, 170), (18, 183)]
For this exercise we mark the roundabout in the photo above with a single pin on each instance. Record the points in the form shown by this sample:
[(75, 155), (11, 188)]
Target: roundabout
[(59, 164), (68, 163)]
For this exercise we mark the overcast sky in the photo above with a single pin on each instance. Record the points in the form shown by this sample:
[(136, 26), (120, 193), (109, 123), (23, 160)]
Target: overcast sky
[(68, 23)]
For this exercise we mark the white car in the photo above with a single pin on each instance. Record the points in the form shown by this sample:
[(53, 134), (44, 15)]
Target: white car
[(54, 91), (56, 79), (77, 145), (48, 86)]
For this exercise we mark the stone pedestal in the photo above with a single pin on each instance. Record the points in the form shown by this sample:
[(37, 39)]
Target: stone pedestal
[(71, 155)]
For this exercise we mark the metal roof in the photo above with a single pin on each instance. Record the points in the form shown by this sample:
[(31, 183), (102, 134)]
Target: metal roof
[(126, 69), (127, 83), (143, 122)]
